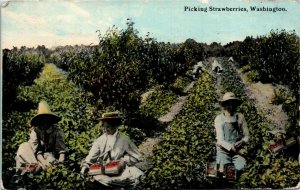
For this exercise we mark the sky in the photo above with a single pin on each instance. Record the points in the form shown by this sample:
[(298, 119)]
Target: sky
[(61, 22)]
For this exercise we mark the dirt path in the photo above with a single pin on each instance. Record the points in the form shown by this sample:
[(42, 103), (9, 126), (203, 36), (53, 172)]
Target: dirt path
[(175, 109), (149, 145), (262, 94)]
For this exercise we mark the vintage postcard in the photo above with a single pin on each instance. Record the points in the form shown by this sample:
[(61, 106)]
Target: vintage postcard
[(150, 94)]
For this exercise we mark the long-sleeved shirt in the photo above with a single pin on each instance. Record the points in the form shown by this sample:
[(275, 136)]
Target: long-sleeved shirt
[(215, 65), (113, 147), (51, 140), (226, 133), (198, 66)]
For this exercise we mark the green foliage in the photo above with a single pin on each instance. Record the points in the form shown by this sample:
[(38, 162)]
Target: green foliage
[(15, 131), (282, 95), (60, 177), (243, 51), (187, 144), (113, 74), (252, 76), (158, 103), (78, 121), (191, 51), (180, 84), (276, 173), (245, 68), (135, 134), (20, 67), (231, 48), (124, 65), (214, 50), (275, 57), (262, 170)]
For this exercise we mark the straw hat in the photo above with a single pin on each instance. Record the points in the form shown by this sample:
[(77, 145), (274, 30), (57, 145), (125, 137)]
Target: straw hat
[(44, 113), (230, 96), (111, 116)]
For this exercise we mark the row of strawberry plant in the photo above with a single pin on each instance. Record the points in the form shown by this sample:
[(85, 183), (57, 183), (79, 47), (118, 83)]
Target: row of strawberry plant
[(263, 170), (186, 146), (80, 124), (20, 67), (181, 83), (79, 120), (158, 102), (161, 98)]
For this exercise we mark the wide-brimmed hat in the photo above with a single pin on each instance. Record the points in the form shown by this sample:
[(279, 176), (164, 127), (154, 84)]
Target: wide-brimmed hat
[(111, 116), (44, 114), (230, 96)]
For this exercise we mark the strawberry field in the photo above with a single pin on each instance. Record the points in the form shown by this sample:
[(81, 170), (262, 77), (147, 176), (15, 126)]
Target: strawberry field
[(82, 82)]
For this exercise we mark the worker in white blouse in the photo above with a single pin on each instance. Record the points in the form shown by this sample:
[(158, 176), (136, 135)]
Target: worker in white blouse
[(111, 146), (231, 132)]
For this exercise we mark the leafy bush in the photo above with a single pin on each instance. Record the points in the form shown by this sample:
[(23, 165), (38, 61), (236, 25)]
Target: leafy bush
[(191, 52), (60, 177), (180, 84), (20, 67), (158, 103), (282, 95), (275, 57), (137, 135), (110, 72), (245, 68), (124, 65), (276, 173), (252, 76)]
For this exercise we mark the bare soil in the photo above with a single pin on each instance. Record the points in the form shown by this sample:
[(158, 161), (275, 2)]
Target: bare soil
[(150, 144), (262, 94)]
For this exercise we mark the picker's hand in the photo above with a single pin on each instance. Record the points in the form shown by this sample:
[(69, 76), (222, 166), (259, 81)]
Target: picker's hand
[(45, 166), (242, 152), (233, 149), (239, 144), (122, 164), (84, 170), (61, 158)]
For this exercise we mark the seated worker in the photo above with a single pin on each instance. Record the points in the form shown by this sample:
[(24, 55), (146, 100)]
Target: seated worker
[(231, 132), (114, 146), (216, 67), (197, 70), (45, 142)]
